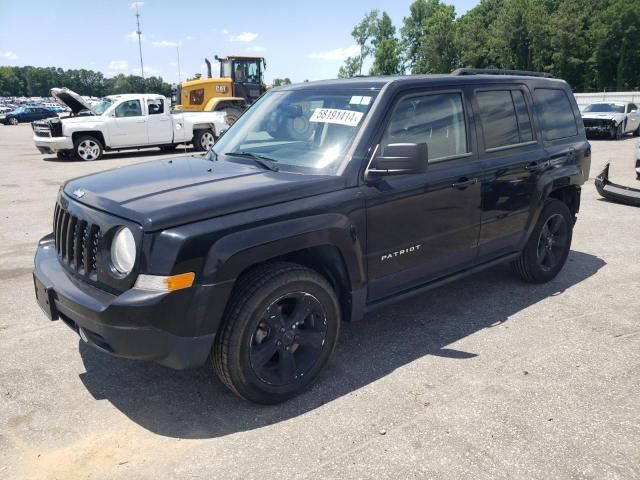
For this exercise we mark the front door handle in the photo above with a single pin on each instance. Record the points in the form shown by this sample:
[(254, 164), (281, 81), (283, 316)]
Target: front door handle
[(140, 121), (464, 182)]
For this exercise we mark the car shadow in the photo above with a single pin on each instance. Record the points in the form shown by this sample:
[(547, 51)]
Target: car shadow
[(129, 153), (194, 404)]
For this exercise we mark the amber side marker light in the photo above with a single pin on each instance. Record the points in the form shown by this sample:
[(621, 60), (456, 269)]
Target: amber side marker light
[(157, 283)]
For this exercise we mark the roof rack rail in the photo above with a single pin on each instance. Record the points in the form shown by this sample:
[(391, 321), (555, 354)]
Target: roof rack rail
[(499, 71)]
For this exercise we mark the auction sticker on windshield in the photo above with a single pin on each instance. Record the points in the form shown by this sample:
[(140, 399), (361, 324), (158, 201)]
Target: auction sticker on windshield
[(335, 115)]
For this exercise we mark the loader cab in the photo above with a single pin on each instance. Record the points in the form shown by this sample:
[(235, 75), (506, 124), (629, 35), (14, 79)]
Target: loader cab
[(246, 74)]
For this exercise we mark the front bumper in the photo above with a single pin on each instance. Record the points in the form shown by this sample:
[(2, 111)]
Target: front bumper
[(124, 325), (52, 144), (617, 193)]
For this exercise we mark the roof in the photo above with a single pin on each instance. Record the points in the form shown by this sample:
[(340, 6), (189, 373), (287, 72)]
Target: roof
[(376, 83)]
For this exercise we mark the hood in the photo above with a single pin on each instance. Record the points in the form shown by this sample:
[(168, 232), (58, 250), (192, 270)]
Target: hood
[(70, 98), (604, 115), (167, 193)]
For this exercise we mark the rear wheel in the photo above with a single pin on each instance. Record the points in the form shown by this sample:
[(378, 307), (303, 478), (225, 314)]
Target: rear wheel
[(13, 121), (88, 148), (546, 252), (280, 330), (203, 140), (636, 132)]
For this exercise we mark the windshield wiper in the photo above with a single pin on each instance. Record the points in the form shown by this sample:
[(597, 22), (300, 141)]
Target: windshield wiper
[(266, 162)]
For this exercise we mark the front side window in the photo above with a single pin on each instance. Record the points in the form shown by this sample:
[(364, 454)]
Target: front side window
[(631, 108), (247, 71), (435, 119), (555, 113), (130, 108), (302, 130)]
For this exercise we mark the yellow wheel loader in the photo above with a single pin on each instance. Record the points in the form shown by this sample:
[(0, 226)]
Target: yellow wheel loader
[(240, 83)]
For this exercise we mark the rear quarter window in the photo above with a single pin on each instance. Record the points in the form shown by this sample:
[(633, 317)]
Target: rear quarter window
[(555, 113)]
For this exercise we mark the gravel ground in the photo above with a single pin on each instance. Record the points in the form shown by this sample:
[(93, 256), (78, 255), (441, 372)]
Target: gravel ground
[(484, 378)]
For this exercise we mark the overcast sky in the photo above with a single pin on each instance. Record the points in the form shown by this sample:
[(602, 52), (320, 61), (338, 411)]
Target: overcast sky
[(300, 39)]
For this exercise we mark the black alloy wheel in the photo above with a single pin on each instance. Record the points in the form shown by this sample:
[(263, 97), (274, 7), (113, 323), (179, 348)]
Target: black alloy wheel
[(547, 248), (552, 242), (280, 329), (289, 339)]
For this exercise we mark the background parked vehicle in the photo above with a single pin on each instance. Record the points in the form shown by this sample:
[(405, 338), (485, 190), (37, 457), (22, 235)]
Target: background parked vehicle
[(612, 119), (122, 122), (26, 114)]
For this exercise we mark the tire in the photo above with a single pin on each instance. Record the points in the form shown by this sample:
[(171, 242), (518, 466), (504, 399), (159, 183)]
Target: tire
[(87, 148), (203, 140), (542, 258), (13, 121), (636, 132), (232, 114), (258, 353), (615, 133)]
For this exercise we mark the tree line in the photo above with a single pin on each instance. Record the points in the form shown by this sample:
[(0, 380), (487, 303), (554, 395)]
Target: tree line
[(37, 81), (592, 44)]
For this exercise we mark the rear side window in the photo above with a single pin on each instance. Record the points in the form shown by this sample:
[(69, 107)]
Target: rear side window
[(437, 119), (505, 118), (555, 113)]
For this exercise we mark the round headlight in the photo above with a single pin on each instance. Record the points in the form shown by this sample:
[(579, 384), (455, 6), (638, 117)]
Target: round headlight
[(123, 251)]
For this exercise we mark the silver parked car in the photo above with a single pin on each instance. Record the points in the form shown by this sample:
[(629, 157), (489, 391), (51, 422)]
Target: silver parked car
[(612, 119)]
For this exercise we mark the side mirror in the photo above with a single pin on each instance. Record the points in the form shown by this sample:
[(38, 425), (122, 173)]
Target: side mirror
[(633, 111), (400, 159)]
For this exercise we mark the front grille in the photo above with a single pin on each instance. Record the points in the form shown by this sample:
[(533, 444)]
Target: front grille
[(594, 122), (42, 133), (76, 242)]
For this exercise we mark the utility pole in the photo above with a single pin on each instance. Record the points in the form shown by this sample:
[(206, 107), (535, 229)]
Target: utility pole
[(139, 32), (179, 75)]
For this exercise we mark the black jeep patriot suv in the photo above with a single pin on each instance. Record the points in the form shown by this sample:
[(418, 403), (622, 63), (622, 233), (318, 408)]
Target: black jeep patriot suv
[(324, 201)]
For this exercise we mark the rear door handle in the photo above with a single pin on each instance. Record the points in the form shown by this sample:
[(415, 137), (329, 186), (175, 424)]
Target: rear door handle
[(463, 183), (140, 121)]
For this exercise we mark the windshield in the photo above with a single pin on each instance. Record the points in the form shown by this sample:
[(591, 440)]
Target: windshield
[(301, 130), (605, 107), (102, 106)]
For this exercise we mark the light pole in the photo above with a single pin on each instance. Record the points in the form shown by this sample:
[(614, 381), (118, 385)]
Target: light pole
[(139, 32), (179, 73)]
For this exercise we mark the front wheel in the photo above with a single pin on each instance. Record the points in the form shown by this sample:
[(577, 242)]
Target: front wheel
[(615, 133), (280, 330), (88, 149), (546, 252), (203, 140)]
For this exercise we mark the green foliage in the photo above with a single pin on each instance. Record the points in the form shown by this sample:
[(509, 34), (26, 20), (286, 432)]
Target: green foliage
[(362, 33), (352, 66), (37, 81), (277, 82), (386, 59), (592, 44)]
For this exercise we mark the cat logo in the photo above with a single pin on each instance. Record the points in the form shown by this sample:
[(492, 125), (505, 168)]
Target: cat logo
[(398, 253), (221, 89)]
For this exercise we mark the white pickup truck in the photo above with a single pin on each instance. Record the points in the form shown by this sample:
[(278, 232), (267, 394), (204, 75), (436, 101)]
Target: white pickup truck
[(121, 122)]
